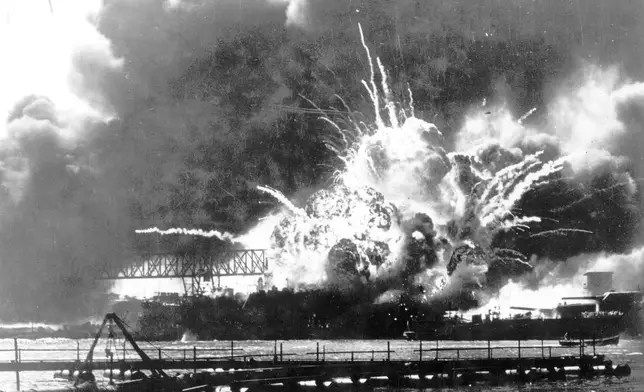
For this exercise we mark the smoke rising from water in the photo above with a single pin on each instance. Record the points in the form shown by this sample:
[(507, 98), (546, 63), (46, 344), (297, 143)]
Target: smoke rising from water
[(203, 103)]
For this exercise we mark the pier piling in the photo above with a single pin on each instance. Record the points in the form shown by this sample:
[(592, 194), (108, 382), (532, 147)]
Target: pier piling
[(388, 351), (111, 381), (17, 356), (275, 351)]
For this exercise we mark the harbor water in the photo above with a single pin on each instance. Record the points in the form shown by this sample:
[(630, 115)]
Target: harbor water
[(627, 352)]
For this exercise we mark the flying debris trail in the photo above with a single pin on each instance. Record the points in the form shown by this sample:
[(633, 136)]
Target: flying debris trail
[(509, 185), (196, 232), (559, 232), (282, 199), (597, 192), (373, 91), (528, 114)]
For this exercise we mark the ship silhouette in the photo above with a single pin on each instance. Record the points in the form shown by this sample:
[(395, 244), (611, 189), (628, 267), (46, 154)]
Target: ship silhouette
[(597, 318)]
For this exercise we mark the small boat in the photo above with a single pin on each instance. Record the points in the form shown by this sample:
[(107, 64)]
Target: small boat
[(571, 343), (409, 334), (607, 341)]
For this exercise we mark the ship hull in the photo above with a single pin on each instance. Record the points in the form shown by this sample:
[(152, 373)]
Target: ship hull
[(525, 329)]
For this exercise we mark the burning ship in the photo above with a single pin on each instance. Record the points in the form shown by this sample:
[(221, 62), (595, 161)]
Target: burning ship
[(599, 317)]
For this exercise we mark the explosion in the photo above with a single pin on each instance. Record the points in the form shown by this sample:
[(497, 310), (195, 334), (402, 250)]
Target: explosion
[(434, 223)]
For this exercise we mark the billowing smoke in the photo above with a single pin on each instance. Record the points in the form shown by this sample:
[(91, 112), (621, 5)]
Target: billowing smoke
[(173, 113), (60, 222)]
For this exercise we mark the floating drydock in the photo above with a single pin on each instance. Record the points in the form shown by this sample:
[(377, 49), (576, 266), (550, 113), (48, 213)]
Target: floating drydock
[(431, 367)]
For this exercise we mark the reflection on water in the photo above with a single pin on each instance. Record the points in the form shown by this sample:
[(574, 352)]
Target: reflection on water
[(628, 351)]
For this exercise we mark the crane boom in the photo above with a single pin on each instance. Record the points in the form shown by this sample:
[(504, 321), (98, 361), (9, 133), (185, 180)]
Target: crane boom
[(156, 370)]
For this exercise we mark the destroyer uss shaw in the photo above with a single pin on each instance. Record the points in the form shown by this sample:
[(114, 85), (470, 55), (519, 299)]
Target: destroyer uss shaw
[(599, 317)]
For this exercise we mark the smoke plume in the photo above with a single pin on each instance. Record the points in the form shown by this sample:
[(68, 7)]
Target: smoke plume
[(60, 221)]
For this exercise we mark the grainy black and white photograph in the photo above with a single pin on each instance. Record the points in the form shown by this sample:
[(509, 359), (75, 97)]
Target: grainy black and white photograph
[(321, 195)]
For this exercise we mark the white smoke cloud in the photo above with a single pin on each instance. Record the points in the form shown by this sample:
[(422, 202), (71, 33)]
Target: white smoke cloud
[(486, 125), (583, 120), (43, 47), (52, 51), (40, 45), (627, 268), (296, 12), (585, 116)]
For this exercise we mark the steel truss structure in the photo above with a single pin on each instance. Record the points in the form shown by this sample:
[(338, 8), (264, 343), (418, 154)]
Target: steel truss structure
[(194, 266)]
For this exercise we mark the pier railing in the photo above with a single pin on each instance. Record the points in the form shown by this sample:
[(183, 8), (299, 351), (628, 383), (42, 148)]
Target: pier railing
[(26, 354), (418, 351), (541, 351)]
